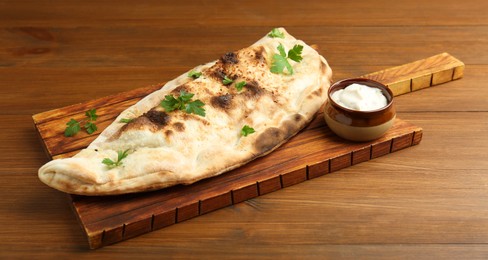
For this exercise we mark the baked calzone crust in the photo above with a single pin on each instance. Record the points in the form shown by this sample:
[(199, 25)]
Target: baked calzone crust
[(166, 148)]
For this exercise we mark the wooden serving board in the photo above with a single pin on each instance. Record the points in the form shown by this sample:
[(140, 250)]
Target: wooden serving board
[(315, 151)]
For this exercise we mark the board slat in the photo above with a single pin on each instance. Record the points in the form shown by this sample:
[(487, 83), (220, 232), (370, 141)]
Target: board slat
[(314, 152), (420, 74)]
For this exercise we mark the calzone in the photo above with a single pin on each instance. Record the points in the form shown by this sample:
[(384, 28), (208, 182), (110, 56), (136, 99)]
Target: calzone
[(214, 118)]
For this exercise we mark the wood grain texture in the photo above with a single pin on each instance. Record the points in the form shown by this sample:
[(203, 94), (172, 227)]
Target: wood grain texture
[(425, 202), (420, 74)]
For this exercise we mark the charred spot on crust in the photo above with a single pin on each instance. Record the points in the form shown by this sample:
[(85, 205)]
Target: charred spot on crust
[(273, 136), (180, 127), (168, 133), (157, 117), (223, 101), (297, 118), (178, 89), (253, 89), (152, 120), (218, 74), (269, 139), (230, 57), (258, 54), (290, 128)]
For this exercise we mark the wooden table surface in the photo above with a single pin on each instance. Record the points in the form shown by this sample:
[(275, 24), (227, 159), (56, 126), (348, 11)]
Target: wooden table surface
[(428, 201)]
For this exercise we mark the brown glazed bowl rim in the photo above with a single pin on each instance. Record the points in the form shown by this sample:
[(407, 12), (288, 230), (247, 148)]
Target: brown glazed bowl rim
[(341, 84)]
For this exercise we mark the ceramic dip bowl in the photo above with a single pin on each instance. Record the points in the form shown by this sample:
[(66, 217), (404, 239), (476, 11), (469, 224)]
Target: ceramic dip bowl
[(356, 125)]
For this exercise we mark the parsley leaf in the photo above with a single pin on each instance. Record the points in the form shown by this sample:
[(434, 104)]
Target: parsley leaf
[(280, 61), (195, 107), (90, 127), (296, 53), (279, 64), (185, 96), (120, 156), (227, 81), (247, 130), (125, 120), (240, 85), (276, 33), (72, 128), (194, 74), (170, 103), (108, 162), (282, 51), (91, 114), (183, 102)]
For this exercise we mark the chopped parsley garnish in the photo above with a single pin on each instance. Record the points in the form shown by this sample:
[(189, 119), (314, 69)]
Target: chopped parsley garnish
[(126, 120), (90, 127), (73, 126), (120, 156), (194, 74), (240, 85), (247, 130), (276, 33), (91, 114), (183, 102), (227, 81), (195, 107), (280, 61), (295, 53)]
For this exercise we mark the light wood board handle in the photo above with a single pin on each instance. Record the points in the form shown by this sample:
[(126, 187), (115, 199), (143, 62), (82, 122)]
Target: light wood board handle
[(420, 74)]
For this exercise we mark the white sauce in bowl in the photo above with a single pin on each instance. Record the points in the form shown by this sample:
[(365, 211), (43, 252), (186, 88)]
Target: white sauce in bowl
[(360, 97)]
